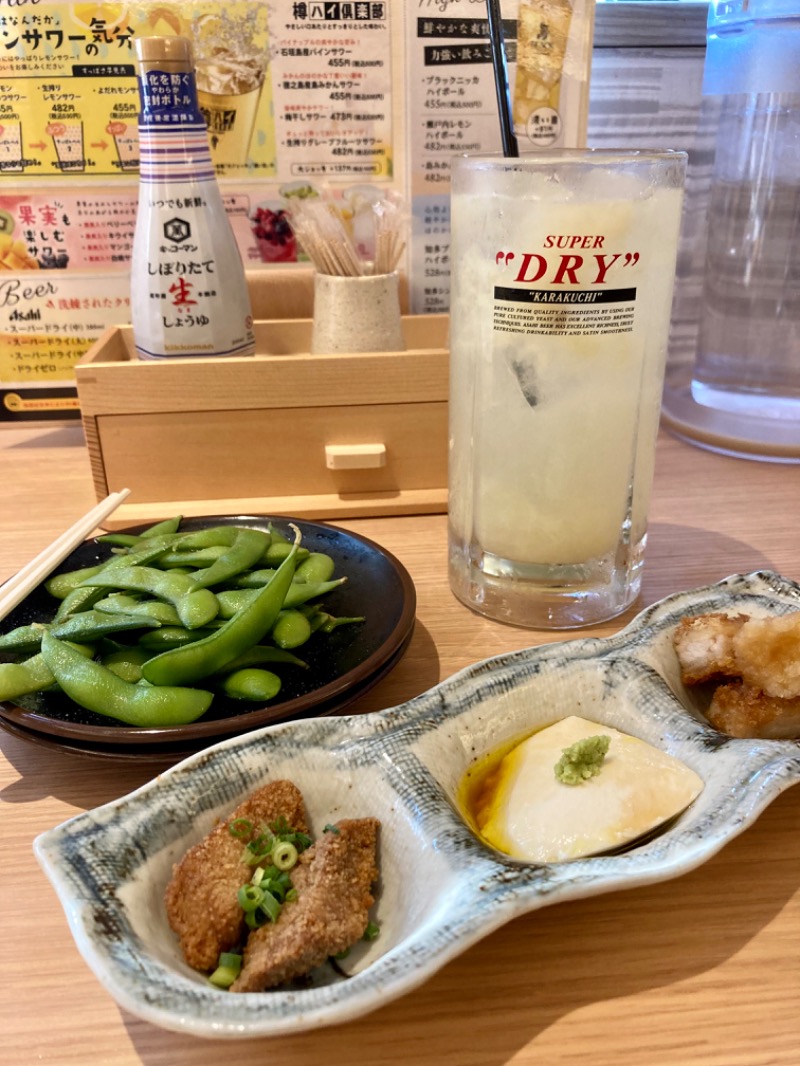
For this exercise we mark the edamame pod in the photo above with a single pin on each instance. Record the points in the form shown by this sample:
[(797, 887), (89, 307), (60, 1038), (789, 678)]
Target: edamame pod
[(291, 629), (150, 550), (171, 637), (233, 600), (253, 579), (299, 593), (251, 684), (317, 567), (84, 627), (130, 540), (260, 654), (156, 610), (119, 540), (33, 675), (127, 662), (60, 585), (168, 525), (195, 607), (80, 599), (20, 679), (204, 538), (248, 546), (193, 661), (97, 689), (196, 557), (278, 551)]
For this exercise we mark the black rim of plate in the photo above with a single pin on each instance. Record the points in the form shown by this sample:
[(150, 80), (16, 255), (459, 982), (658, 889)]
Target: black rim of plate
[(341, 669)]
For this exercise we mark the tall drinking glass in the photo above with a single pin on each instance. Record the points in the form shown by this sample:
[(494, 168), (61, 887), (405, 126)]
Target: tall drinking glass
[(561, 288)]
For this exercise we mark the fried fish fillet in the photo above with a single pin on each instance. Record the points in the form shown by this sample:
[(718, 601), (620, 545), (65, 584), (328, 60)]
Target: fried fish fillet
[(201, 897), (333, 879), (705, 646), (742, 711), (767, 652)]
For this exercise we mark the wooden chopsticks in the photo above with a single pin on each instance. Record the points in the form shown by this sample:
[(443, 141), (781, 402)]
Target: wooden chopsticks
[(25, 580)]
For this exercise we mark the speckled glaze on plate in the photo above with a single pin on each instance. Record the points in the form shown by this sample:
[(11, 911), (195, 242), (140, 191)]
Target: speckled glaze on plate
[(342, 665), (403, 766)]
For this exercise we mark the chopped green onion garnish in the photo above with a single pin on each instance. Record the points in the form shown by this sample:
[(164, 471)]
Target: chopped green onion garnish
[(227, 970), (284, 831), (341, 954), (250, 897), (270, 906), (273, 852), (331, 829), (255, 919), (278, 885), (240, 828), (258, 849), (284, 855), (372, 931)]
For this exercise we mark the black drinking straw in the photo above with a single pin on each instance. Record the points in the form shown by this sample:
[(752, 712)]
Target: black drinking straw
[(510, 146)]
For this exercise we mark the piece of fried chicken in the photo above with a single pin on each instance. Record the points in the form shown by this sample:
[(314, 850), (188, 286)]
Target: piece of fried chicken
[(202, 895), (767, 653), (705, 646), (333, 879), (742, 711)]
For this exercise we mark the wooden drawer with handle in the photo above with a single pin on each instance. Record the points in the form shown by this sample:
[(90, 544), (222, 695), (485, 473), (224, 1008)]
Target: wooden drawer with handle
[(284, 432)]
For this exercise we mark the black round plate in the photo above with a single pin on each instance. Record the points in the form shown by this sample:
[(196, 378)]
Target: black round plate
[(342, 664)]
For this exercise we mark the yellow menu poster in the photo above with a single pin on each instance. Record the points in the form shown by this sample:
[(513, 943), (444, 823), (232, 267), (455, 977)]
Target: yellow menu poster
[(69, 100)]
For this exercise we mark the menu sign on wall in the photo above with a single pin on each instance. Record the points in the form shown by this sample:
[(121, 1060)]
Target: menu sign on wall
[(298, 95)]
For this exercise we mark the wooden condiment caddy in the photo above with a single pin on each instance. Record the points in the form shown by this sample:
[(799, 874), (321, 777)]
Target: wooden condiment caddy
[(284, 432)]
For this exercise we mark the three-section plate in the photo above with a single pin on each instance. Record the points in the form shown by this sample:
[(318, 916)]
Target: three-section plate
[(404, 766)]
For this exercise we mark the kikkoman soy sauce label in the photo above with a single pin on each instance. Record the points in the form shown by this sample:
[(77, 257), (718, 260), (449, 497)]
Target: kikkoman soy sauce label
[(188, 290)]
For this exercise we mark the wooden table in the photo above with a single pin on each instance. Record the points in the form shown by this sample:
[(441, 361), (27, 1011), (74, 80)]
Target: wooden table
[(701, 970)]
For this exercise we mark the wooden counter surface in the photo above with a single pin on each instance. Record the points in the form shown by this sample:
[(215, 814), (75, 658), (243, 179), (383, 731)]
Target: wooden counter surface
[(704, 969)]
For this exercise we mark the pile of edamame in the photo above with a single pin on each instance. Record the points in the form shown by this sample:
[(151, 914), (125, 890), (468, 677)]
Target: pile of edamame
[(173, 618)]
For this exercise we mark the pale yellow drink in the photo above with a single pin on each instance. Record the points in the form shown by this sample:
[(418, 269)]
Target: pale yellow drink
[(560, 304)]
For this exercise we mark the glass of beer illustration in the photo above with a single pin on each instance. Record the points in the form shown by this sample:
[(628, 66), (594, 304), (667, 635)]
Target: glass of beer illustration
[(230, 58), (229, 90)]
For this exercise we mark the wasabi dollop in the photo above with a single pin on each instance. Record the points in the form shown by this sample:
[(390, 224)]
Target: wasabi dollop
[(582, 760)]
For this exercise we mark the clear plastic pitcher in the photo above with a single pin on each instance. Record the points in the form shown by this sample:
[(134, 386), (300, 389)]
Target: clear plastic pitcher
[(743, 396)]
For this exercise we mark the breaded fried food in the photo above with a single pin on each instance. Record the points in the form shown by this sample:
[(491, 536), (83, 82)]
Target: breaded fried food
[(201, 897), (767, 652), (704, 646), (742, 711), (333, 879)]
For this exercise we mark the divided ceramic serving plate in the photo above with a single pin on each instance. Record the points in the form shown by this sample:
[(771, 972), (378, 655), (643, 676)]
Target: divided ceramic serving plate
[(404, 766)]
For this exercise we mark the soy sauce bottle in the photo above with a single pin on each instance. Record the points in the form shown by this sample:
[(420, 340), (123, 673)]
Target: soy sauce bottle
[(188, 290)]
